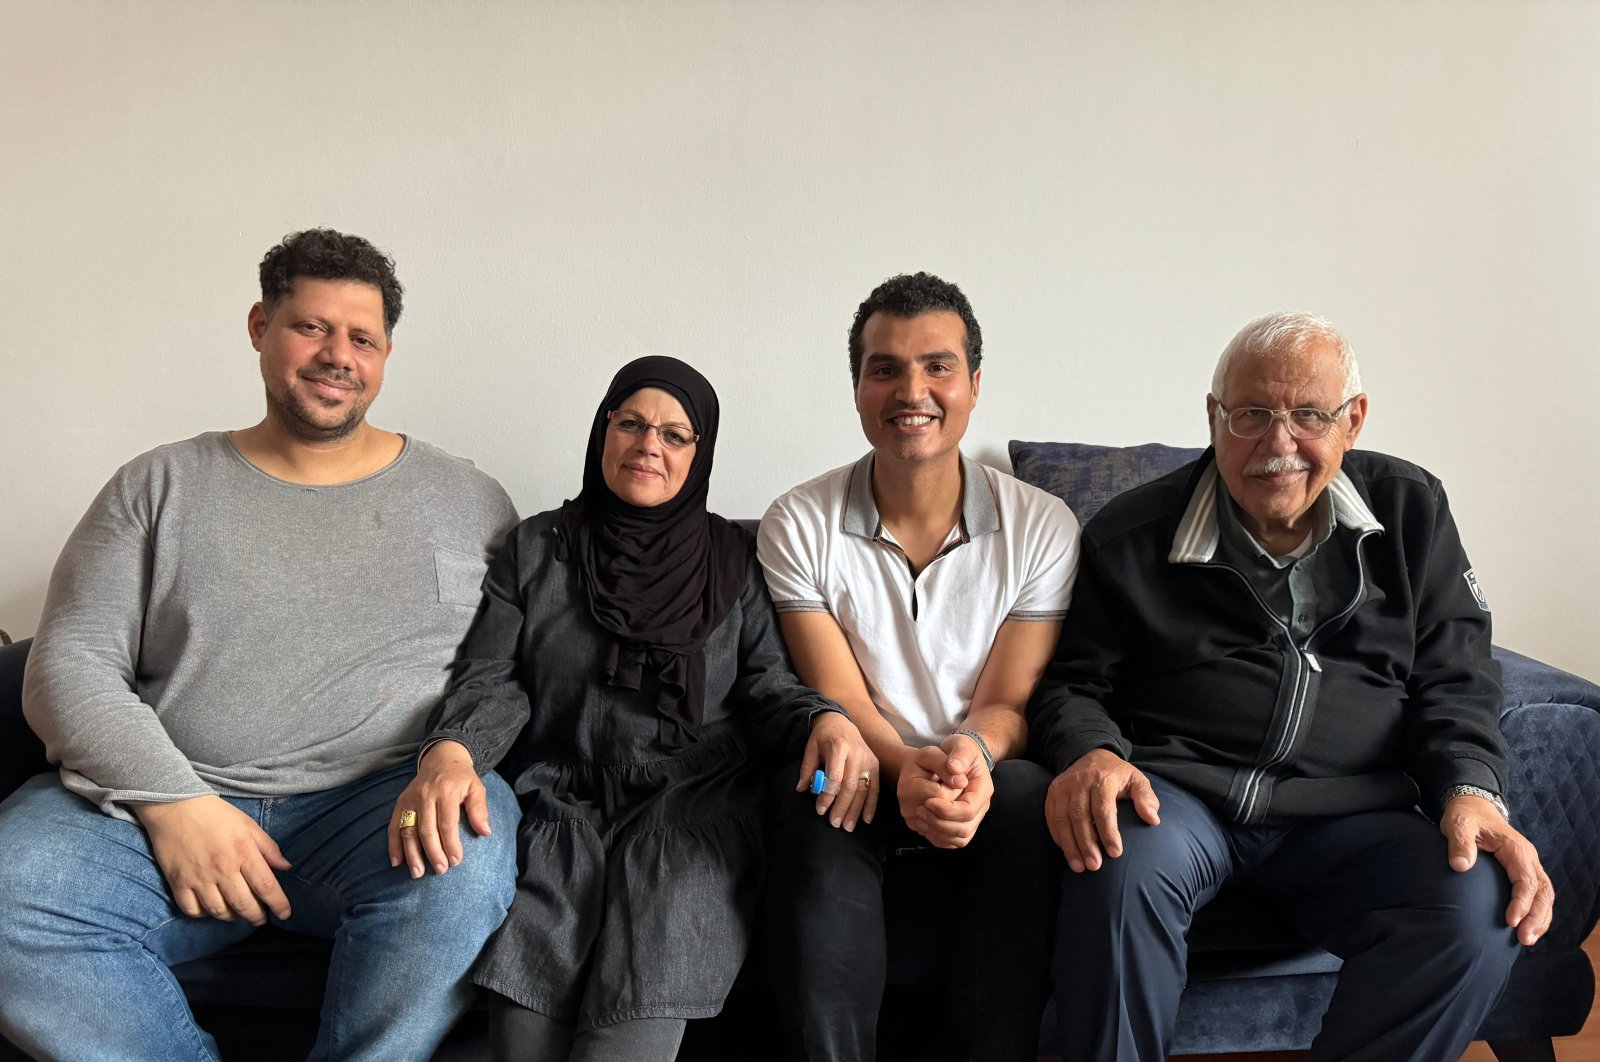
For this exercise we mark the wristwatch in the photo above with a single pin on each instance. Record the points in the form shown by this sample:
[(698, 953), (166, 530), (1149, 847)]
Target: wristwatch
[(1477, 791)]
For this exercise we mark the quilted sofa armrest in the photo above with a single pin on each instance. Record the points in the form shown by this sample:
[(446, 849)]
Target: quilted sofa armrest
[(1551, 726), (1530, 681)]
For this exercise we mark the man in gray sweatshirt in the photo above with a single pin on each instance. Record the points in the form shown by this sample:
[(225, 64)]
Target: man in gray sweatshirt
[(240, 646)]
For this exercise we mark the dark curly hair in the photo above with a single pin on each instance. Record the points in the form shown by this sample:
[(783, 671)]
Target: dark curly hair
[(911, 295), (330, 255)]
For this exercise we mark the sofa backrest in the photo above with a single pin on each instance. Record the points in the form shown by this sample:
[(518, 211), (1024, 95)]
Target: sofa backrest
[(21, 754), (1087, 476)]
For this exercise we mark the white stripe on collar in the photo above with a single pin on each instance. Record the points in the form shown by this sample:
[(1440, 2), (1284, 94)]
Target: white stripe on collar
[(980, 512), (1198, 531)]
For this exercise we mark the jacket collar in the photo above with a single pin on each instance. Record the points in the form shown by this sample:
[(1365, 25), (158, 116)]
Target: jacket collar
[(1196, 539), (979, 516)]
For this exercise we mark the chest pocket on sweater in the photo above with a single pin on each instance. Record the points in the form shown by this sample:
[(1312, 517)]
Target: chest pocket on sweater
[(460, 577)]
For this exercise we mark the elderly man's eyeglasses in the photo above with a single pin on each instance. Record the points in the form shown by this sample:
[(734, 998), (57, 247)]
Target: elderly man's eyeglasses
[(672, 436), (1305, 422)]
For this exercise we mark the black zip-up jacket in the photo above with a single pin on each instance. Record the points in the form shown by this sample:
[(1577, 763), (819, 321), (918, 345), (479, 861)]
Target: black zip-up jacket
[(1171, 660)]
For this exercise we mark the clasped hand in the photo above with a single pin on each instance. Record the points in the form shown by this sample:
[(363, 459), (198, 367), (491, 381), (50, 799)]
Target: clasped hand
[(945, 790)]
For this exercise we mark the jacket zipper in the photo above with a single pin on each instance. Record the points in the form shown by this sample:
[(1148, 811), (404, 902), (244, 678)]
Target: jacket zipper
[(1252, 782), (1304, 658)]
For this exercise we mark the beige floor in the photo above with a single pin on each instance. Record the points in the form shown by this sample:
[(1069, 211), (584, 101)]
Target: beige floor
[(1585, 1047)]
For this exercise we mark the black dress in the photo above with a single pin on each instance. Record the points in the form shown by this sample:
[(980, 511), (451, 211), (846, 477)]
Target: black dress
[(639, 865)]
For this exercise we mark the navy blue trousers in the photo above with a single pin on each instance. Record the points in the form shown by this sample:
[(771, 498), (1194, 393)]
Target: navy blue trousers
[(823, 921), (1426, 949)]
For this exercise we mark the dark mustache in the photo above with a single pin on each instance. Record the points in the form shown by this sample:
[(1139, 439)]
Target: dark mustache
[(337, 379)]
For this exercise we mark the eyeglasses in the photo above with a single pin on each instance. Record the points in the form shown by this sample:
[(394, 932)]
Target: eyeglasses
[(1304, 422), (672, 436)]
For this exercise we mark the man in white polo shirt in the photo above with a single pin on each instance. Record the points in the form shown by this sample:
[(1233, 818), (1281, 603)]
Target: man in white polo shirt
[(924, 593)]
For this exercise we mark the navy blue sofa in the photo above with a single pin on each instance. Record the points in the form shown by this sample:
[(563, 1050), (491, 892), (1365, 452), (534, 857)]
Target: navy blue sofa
[(1253, 985)]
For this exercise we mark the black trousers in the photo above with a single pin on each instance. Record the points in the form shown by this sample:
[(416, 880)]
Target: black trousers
[(1426, 949), (823, 918)]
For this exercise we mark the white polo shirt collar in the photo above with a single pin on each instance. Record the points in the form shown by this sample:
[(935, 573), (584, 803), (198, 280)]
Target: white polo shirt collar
[(979, 514)]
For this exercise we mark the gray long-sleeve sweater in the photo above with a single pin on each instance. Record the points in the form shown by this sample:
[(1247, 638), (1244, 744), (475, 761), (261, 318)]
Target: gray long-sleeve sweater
[(212, 629)]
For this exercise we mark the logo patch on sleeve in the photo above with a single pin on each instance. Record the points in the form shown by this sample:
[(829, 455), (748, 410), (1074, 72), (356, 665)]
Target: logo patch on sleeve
[(1477, 591)]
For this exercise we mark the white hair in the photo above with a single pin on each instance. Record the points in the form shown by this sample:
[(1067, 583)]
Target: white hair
[(1289, 333)]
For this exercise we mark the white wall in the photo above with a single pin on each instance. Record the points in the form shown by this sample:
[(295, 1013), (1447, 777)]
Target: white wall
[(1118, 187)]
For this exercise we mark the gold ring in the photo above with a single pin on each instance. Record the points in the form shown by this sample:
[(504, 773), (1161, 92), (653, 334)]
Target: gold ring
[(866, 776), (408, 819)]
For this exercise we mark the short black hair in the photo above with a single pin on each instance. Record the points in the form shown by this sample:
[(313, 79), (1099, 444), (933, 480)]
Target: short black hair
[(327, 254), (911, 295)]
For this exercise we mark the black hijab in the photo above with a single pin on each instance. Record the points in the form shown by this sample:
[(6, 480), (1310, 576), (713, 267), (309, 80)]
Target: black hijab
[(657, 579)]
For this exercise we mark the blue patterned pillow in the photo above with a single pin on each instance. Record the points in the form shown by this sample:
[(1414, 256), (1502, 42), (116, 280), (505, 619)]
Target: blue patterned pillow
[(1086, 476)]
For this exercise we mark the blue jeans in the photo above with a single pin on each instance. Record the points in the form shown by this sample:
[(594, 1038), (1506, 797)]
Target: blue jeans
[(89, 930), (1426, 949)]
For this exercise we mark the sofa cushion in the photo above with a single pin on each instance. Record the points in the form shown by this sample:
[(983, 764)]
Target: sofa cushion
[(1086, 476)]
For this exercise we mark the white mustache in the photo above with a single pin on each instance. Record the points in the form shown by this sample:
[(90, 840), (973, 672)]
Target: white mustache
[(1272, 465)]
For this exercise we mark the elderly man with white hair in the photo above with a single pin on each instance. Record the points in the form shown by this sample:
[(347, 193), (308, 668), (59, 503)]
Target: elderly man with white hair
[(1276, 669)]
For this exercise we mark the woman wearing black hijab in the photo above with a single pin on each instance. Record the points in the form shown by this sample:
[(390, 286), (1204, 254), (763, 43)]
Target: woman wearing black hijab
[(623, 673)]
